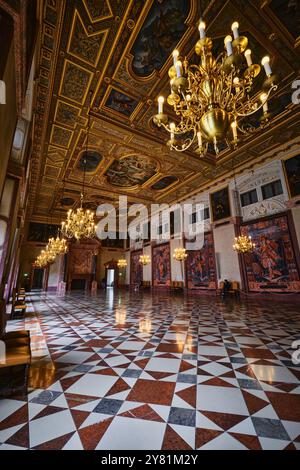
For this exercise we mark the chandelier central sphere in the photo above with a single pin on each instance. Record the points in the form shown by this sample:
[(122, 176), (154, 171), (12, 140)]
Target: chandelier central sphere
[(213, 98)]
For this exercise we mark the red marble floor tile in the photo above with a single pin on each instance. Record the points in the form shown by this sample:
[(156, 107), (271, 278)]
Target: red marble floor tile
[(203, 436), (119, 386), (107, 371), (143, 412), (217, 382), (184, 366), (142, 363), (75, 400), (251, 442), (91, 435), (165, 347), (20, 438), (55, 444), (172, 441), (258, 353), (18, 417), (66, 383), (159, 375), (286, 405), (151, 391), (79, 417), (189, 395), (253, 403), (291, 446), (49, 410), (224, 420), (97, 343)]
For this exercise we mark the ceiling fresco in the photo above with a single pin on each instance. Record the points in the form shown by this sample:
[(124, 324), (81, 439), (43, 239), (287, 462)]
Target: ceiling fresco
[(119, 53)]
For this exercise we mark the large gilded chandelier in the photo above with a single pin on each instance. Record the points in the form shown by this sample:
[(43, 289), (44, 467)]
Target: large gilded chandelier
[(243, 244), (213, 98), (80, 223), (58, 245)]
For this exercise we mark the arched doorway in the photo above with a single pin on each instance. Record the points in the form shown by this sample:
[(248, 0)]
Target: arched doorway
[(111, 273)]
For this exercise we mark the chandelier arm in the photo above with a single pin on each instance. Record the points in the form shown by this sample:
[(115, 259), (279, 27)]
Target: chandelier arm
[(273, 88)]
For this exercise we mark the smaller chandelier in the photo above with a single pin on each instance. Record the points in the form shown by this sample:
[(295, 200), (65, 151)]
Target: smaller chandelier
[(79, 224), (122, 263), (180, 254), (57, 246), (243, 244), (145, 260)]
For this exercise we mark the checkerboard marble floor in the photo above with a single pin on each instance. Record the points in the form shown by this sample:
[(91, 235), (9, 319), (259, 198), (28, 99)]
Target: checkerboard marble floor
[(140, 371)]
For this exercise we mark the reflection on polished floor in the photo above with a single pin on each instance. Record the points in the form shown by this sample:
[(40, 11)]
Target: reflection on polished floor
[(142, 371)]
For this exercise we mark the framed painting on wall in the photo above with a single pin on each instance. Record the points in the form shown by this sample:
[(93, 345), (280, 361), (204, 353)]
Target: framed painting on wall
[(136, 269), (220, 204), (200, 265), (272, 266), (292, 173), (161, 265)]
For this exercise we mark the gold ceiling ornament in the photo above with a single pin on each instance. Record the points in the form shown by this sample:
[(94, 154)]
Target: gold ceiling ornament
[(212, 98), (243, 244), (122, 263), (180, 254), (145, 260), (80, 223)]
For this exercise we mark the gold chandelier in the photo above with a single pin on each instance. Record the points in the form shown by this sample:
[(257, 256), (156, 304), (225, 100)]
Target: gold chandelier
[(145, 260), (57, 245), (243, 244), (122, 263), (212, 99), (180, 254), (79, 224)]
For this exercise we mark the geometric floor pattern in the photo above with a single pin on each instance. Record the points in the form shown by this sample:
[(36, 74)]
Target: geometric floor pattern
[(121, 371)]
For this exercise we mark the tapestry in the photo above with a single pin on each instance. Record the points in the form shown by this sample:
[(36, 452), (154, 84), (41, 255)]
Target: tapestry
[(220, 204), (161, 265), (136, 269), (200, 265), (271, 266)]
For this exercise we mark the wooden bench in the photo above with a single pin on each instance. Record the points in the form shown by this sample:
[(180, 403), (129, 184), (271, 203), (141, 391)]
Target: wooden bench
[(234, 288), (18, 306), (15, 366)]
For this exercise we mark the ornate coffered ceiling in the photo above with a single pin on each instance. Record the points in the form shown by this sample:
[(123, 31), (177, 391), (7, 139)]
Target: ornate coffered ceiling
[(120, 50)]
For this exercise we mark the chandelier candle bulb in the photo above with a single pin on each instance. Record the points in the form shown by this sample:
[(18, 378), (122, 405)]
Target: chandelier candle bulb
[(234, 130), (178, 67), (263, 99), (172, 128), (228, 45), (235, 30), (248, 57), (175, 56), (266, 64), (161, 101), (236, 82), (202, 29), (199, 139)]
